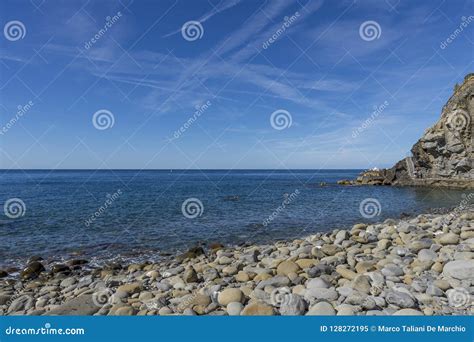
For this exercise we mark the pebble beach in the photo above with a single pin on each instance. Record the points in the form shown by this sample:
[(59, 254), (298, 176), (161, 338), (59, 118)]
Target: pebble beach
[(422, 265)]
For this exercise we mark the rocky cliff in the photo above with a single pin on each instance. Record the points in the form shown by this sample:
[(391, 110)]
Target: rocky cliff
[(444, 156)]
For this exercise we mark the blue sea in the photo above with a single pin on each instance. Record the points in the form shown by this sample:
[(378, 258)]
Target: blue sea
[(130, 214)]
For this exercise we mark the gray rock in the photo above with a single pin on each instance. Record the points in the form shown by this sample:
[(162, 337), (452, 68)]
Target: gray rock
[(321, 294), (434, 291), (317, 283), (321, 309), (162, 286), (4, 299), (400, 299), (277, 281), (392, 270), (234, 308), (210, 274), (21, 303), (68, 282), (80, 306), (459, 269), (172, 271), (319, 269), (340, 237), (85, 281), (293, 305), (427, 255), (420, 244), (189, 312), (408, 312), (361, 283), (190, 275)]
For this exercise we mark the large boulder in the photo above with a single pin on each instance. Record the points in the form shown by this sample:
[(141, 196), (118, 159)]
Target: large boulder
[(80, 306), (444, 155), (459, 269)]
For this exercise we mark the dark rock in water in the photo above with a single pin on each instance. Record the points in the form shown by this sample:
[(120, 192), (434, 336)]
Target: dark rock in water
[(323, 184), (191, 253), (3, 274), (112, 266), (444, 155), (77, 262), (32, 270), (231, 198), (12, 269), (345, 182), (405, 215), (60, 268), (256, 225), (34, 258), (215, 246)]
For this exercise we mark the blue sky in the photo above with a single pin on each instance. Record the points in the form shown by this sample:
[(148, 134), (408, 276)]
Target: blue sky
[(322, 71)]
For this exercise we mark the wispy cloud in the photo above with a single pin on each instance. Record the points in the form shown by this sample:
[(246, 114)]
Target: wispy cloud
[(222, 6)]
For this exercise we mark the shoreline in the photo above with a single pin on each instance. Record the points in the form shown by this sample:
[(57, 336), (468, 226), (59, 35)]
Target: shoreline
[(417, 265), (15, 265)]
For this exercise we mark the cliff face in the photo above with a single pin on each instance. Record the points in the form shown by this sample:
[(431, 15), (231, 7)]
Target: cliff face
[(444, 156)]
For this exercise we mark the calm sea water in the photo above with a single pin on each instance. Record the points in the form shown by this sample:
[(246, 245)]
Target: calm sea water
[(103, 214)]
